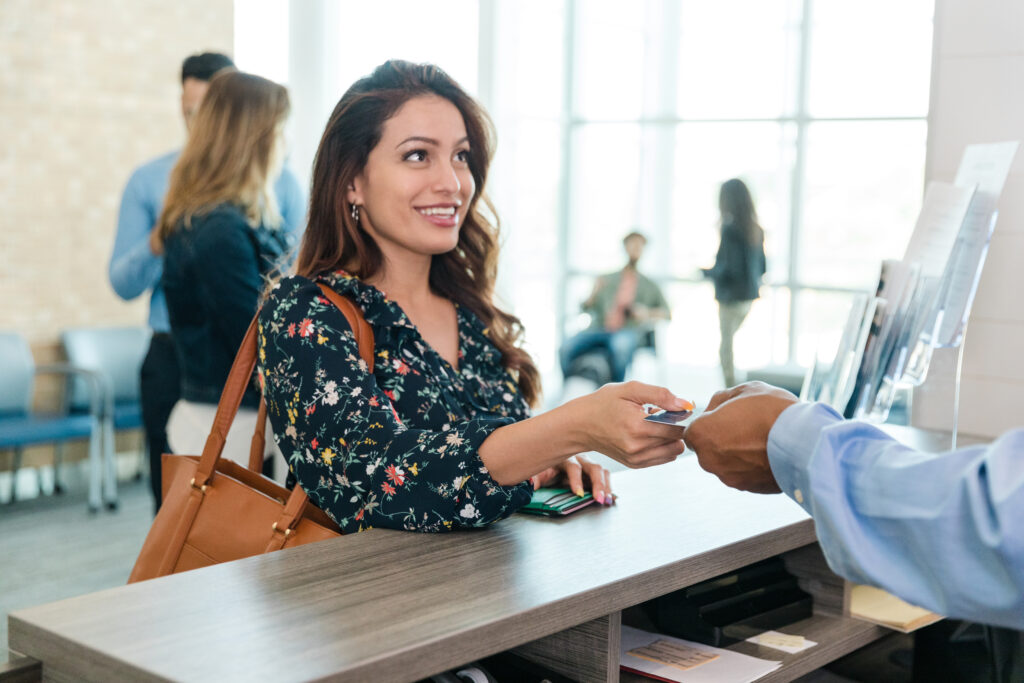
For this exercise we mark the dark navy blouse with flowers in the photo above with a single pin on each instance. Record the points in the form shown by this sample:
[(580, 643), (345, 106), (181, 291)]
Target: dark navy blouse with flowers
[(398, 448)]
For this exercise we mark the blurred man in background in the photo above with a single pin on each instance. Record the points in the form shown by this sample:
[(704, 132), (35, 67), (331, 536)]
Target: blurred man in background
[(623, 307)]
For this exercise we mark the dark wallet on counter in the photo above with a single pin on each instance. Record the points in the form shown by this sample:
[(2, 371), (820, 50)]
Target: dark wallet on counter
[(556, 502)]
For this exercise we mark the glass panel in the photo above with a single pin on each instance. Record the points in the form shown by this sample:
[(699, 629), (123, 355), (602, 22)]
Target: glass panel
[(529, 212), (707, 154), (870, 58), (578, 288), (691, 338), (261, 38), (604, 195), (763, 339), (752, 73), (527, 202), (443, 32), (865, 181), (820, 319), (536, 311), (535, 70), (610, 42)]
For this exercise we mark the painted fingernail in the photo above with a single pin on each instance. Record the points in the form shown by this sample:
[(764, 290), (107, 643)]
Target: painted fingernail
[(578, 492), (599, 498)]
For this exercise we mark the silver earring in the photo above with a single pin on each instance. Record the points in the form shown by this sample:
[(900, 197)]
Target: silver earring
[(354, 212)]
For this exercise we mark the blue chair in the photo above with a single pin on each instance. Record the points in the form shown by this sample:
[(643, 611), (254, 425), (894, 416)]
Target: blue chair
[(116, 355), (20, 426)]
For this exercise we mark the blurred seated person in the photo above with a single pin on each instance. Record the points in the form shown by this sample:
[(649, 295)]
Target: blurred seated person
[(623, 308)]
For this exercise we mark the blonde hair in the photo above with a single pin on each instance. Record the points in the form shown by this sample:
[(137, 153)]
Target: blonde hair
[(230, 153)]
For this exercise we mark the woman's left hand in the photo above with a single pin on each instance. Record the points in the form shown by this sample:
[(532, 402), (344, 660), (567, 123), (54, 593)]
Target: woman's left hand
[(575, 472)]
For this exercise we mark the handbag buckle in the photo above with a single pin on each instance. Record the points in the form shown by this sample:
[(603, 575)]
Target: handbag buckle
[(200, 488), (286, 532)]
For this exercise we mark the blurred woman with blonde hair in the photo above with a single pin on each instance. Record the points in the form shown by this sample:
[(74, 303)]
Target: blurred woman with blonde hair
[(220, 234)]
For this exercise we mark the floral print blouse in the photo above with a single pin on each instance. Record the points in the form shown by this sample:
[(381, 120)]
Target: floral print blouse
[(397, 448)]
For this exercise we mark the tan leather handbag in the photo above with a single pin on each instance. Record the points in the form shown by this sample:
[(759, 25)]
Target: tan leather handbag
[(214, 510)]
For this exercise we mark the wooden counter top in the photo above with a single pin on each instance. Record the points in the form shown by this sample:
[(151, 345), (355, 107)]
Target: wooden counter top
[(386, 605)]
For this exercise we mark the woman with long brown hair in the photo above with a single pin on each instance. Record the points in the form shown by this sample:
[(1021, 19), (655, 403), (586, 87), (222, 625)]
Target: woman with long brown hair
[(439, 435), (220, 231), (739, 267)]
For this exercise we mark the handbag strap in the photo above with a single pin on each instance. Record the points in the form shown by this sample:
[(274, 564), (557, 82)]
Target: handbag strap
[(258, 446), (360, 328), (238, 381)]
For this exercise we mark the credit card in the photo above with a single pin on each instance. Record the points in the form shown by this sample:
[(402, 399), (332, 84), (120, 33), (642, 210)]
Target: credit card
[(670, 417)]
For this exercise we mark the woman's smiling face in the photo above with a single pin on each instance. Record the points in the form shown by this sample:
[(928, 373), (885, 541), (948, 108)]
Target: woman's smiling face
[(416, 186)]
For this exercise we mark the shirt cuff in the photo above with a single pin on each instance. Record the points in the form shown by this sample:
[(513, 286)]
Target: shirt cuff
[(791, 444)]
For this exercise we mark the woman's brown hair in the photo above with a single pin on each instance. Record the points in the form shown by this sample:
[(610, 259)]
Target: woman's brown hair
[(333, 239), (230, 152), (734, 200)]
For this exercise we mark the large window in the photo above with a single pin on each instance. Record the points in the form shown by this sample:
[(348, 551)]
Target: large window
[(819, 106), (615, 116)]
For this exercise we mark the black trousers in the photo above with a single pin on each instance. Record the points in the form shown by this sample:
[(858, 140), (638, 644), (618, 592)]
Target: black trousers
[(160, 389), (980, 655)]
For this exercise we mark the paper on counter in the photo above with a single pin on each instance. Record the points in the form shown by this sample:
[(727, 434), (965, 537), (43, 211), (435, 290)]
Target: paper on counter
[(782, 641), (725, 667)]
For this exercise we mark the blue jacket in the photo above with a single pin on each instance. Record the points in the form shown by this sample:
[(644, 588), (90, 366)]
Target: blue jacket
[(213, 276)]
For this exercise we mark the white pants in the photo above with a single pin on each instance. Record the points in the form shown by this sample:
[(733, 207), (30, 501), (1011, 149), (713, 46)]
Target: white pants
[(730, 317), (190, 424)]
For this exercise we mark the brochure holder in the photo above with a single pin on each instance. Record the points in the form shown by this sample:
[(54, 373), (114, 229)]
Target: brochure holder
[(945, 327), (923, 302)]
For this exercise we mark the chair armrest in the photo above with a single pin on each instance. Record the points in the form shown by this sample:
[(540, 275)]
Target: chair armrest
[(101, 400)]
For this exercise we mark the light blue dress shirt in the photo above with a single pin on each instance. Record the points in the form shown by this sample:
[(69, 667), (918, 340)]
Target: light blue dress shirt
[(943, 531), (134, 268)]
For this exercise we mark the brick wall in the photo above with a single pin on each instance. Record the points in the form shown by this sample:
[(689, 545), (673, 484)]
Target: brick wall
[(88, 90)]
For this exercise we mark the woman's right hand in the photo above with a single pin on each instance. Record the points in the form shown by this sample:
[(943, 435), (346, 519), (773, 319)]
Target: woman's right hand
[(611, 421)]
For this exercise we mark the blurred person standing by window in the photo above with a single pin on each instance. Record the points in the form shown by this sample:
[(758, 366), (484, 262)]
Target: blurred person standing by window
[(739, 266), (135, 268), (221, 234), (623, 306)]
